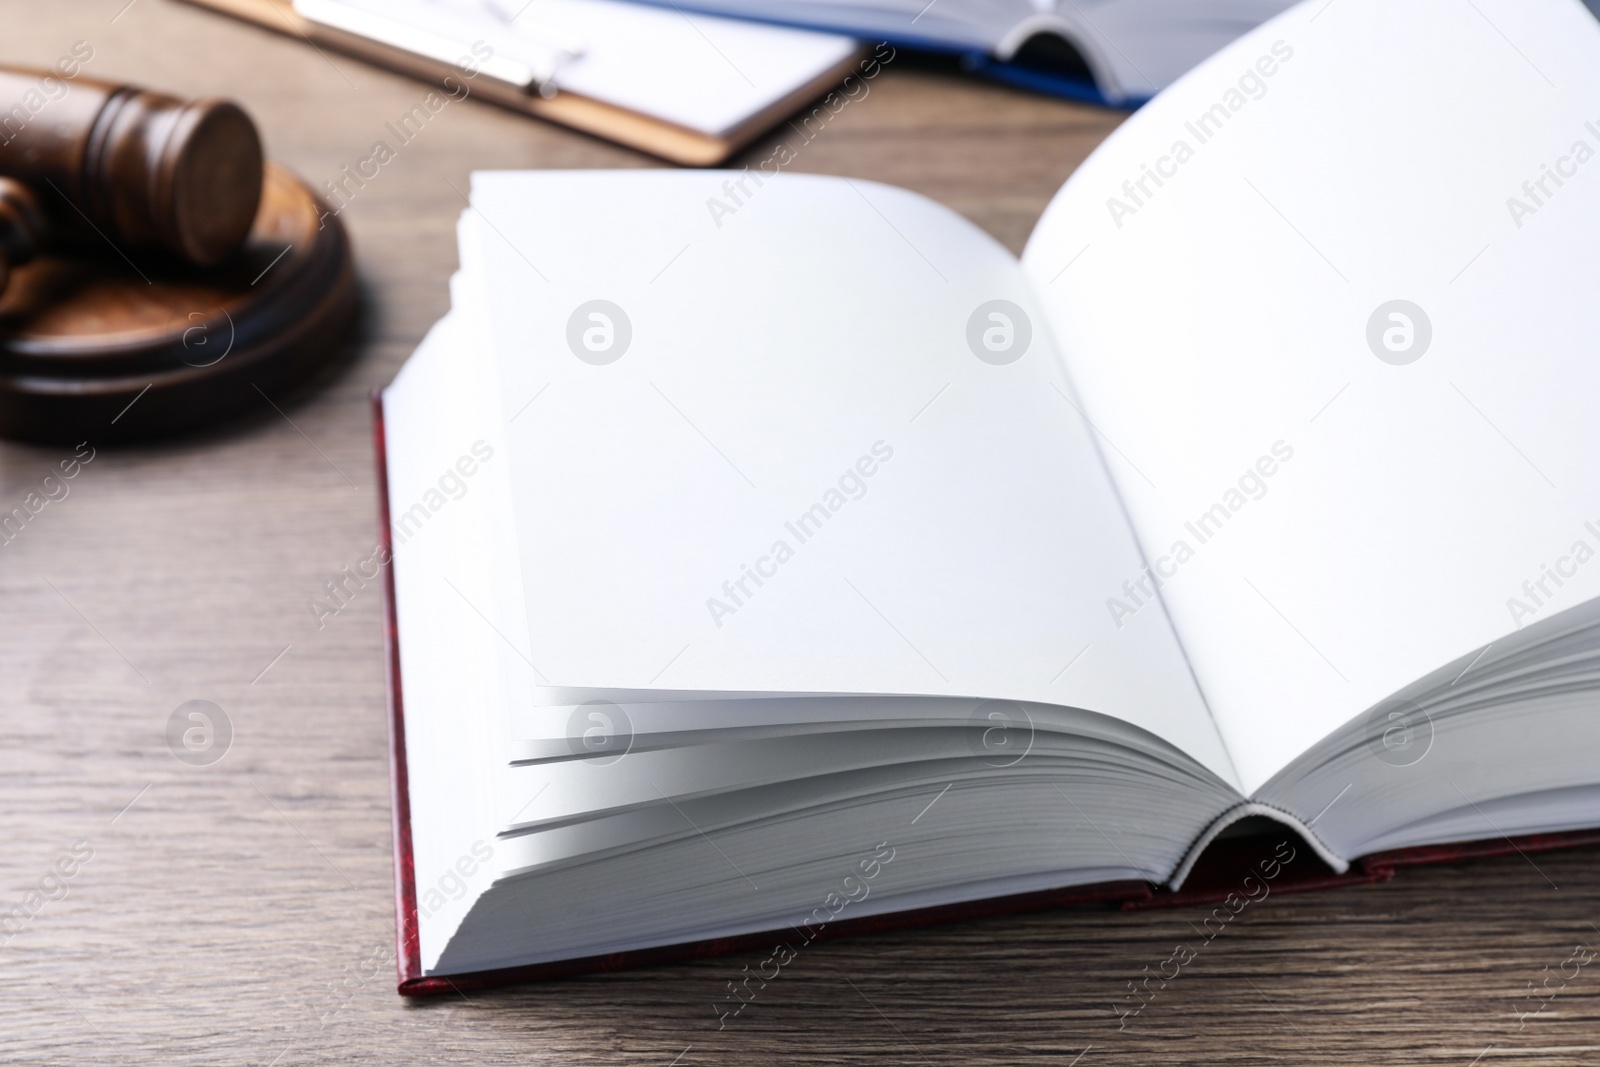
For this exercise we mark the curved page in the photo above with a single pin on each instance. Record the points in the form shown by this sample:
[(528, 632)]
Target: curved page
[(766, 436), (1332, 296)]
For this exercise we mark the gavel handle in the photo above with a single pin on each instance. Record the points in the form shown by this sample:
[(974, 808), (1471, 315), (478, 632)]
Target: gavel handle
[(24, 230)]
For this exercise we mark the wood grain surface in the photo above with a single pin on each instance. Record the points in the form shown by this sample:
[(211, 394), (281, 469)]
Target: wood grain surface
[(240, 912)]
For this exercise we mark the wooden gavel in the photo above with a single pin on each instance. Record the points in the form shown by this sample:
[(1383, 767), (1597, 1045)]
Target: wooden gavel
[(139, 170)]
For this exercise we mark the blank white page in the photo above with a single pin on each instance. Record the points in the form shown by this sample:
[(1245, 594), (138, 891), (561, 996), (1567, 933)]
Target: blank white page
[(1352, 154), (788, 390), (435, 429)]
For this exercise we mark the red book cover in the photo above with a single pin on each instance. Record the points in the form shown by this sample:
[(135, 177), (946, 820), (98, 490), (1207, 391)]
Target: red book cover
[(1217, 875)]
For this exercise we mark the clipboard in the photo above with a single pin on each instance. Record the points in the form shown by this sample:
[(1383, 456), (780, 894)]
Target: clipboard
[(665, 140)]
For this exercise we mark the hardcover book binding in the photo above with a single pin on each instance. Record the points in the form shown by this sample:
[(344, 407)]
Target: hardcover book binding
[(1228, 869)]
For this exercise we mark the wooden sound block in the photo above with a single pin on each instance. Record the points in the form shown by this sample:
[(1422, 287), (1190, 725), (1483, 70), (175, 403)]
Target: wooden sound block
[(98, 347)]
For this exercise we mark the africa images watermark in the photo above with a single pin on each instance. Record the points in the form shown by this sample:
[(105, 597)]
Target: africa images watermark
[(853, 889), (51, 86), (1140, 995), (999, 332), (736, 192), (599, 732), (1138, 191), (851, 485), (405, 129), (1539, 998), (406, 524), (199, 732), (1252, 485), (1537, 591), (53, 488), (340, 591), (1399, 332), (452, 885), (53, 885), (1539, 190)]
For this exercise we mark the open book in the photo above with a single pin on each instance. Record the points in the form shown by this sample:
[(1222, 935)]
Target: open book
[(1117, 52), (771, 550)]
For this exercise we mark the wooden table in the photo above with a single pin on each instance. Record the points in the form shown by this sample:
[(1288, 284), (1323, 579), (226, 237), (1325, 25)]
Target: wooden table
[(240, 913)]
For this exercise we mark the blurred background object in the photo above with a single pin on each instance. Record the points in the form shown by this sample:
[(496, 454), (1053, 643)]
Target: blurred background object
[(689, 90), (1113, 52), (695, 88), (157, 275)]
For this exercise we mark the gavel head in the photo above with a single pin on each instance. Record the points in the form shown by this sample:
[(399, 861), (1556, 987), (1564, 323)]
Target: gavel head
[(181, 175), (140, 169), (23, 229)]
